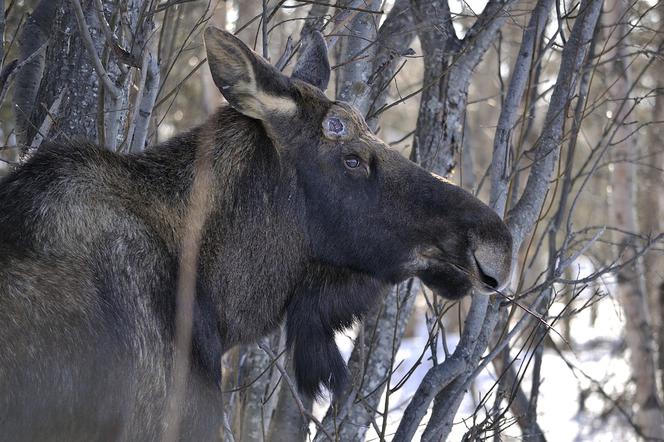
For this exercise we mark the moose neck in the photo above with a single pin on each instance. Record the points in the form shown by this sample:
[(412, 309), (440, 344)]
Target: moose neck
[(252, 247)]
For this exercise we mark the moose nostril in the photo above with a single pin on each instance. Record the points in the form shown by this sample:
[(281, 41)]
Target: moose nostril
[(486, 278)]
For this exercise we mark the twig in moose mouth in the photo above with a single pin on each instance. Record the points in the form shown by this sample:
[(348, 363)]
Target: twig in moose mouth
[(510, 300)]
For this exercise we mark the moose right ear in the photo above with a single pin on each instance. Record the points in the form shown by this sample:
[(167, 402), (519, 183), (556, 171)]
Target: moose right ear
[(313, 65), (249, 84)]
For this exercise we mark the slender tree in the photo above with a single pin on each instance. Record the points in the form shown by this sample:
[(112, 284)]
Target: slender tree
[(631, 282)]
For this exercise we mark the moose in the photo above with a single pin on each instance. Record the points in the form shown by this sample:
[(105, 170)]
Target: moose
[(306, 217)]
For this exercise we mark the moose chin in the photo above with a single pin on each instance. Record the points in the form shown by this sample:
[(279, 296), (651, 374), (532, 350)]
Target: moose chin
[(305, 216)]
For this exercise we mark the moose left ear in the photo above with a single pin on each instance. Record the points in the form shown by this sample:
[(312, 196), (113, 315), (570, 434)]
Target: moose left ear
[(313, 66), (250, 84)]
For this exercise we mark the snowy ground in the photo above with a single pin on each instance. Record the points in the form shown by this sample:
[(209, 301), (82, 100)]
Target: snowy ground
[(561, 387)]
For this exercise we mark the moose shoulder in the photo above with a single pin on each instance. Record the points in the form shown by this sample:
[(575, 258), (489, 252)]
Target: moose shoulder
[(305, 214)]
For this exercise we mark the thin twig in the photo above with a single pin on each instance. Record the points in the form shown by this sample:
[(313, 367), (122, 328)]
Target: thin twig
[(296, 396), (17, 69), (345, 8), (169, 4)]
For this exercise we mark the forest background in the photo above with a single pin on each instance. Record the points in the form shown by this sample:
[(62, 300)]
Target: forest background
[(550, 111)]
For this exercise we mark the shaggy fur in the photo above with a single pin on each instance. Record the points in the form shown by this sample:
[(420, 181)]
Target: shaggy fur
[(294, 226)]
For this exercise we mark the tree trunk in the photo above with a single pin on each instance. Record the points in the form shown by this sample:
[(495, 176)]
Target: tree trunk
[(442, 108), (87, 109), (288, 423), (631, 282), (35, 35), (358, 52), (652, 204), (394, 38), (2, 33)]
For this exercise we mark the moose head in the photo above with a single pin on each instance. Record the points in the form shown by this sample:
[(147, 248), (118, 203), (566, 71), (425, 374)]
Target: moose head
[(373, 218), (369, 209)]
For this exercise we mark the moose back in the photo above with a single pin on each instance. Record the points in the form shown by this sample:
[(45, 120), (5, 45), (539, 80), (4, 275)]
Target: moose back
[(299, 212)]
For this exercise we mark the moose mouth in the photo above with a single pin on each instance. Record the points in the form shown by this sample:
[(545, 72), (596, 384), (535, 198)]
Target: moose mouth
[(452, 280)]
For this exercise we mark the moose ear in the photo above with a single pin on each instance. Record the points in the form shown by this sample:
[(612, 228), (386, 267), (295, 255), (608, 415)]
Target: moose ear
[(313, 66), (249, 84)]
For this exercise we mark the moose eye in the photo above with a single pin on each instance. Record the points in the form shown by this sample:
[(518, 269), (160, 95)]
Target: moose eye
[(352, 162)]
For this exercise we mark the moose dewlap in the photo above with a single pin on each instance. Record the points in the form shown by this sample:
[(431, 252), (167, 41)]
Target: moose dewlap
[(299, 212)]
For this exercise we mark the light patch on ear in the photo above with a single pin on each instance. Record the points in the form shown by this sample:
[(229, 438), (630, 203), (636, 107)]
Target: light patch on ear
[(248, 99), (271, 104), (440, 178)]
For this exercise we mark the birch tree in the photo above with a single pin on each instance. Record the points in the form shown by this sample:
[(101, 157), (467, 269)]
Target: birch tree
[(631, 279)]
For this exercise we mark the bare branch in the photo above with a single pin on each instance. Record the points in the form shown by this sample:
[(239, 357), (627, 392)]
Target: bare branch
[(477, 327), (288, 423), (315, 20), (170, 3), (340, 20), (45, 127), (293, 389), (350, 7), (148, 95), (123, 55), (523, 215), (15, 68), (481, 320), (500, 172), (436, 379), (285, 57)]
